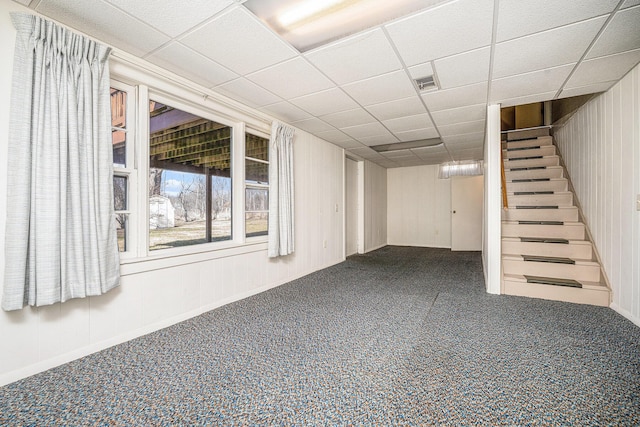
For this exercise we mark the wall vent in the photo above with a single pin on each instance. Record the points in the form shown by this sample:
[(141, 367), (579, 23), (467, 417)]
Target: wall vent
[(425, 84)]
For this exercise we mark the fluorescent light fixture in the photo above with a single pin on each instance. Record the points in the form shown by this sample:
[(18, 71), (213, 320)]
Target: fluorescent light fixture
[(419, 143), (462, 168), (307, 24)]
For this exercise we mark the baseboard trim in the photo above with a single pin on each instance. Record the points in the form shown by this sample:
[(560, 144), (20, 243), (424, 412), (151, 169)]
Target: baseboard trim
[(624, 313)]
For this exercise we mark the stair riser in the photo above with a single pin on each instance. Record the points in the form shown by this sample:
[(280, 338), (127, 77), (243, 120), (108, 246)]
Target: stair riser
[(547, 150), (545, 161), (574, 251), (541, 200), (569, 232), (554, 185), (590, 273), (564, 214), (540, 141), (551, 172), (557, 293), (527, 134)]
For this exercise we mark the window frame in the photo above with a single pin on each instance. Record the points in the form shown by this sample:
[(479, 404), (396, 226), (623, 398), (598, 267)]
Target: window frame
[(260, 186)]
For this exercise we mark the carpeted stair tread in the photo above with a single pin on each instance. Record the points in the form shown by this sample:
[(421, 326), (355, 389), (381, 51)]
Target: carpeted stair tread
[(554, 260), (553, 281), (543, 240)]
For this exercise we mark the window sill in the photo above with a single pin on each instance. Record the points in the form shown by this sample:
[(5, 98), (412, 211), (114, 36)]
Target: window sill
[(167, 258)]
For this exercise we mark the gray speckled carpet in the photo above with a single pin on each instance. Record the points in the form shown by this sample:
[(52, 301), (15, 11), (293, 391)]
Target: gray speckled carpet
[(399, 336)]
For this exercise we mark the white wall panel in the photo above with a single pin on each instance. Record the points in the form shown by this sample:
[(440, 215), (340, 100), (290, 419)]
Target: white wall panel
[(600, 145), (375, 206), (419, 207), (35, 339)]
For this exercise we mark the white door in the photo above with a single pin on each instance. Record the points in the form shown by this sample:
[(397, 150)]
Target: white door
[(467, 194), (351, 207)]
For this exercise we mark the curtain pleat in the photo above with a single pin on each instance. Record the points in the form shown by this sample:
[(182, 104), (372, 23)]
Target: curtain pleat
[(61, 238), (281, 191)]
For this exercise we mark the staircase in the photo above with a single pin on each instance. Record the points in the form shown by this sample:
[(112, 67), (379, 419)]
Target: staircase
[(546, 252)]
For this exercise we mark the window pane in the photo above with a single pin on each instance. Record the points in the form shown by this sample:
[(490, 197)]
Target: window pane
[(190, 157), (256, 223), (121, 230), (118, 108), (256, 172), (257, 147), (119, 139), (120, 193), (221, 208), (256, 199), (256, 211)]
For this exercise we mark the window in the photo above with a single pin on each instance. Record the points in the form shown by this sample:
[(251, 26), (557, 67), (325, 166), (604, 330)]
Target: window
[(256, 185), (190, 183), (121, 99)]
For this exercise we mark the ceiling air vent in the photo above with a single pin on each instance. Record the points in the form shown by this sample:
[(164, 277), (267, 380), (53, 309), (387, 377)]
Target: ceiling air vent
[(425, 84)]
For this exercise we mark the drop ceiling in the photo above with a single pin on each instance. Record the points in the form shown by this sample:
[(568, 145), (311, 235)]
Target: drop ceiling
[(358, 92)]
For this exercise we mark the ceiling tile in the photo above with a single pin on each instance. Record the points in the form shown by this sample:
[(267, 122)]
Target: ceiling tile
[(585, 90), (201, 70), (529, 83), (445, 30), (347, 118), (247, 92), (285, 111), (457, 97), (630, 3), (477, 143), (462, 114), (476, 154), (398, 108), (349, 144), (336, 137), (378, 139), (240, 41), (366, 130), (604, 69), (291, 79), (312, 125), (416, 134), (547, 49), (387, 87), (407, 123), (398, 154), (528, 99), (97, 17), (620, 35), (325, 102), (517, 18), (356, 58), (464, 69), (422, 70), (452, 140), (423, 152), (462, 128), (363, 152), (24, 2), (172, 20)]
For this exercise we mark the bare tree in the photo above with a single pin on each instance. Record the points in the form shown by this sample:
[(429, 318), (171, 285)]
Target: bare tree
[(155, 181)]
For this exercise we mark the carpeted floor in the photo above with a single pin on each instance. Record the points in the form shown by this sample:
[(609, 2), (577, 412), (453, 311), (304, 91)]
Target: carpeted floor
[(400, 336)]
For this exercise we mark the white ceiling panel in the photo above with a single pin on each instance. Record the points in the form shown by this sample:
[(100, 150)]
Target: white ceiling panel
[(201, 70), (462, 114), (621, 34), (397, 154), (604, 69), (423, 152), (445, 30), (468, 155), (247, 92), (422, 70), (356, 58), (464, 69), (325, 102), (453, 140), (398, 108), (172, 20), (416, 134), (240, 41), (97, 17), (630, 3), (336, 137), (478, 143), (407, 123), (462, 128), (378, 139), (529, 83), (291, 79), (551, 48), (285, 111), (364, 152), (349, 144), (312, 125), (347, 118), (585, 90), (367, 130), (517, 18), (528, 99), (375, 90), (457, 97), (24, 2)]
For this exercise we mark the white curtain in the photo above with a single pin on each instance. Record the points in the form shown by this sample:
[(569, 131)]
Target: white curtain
[(60, 232), (281, 213)]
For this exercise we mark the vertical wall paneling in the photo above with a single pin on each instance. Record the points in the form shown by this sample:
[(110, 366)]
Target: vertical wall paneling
[(351, 207), (600, 146), (491, 245), (375, 206), (155, 294)]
